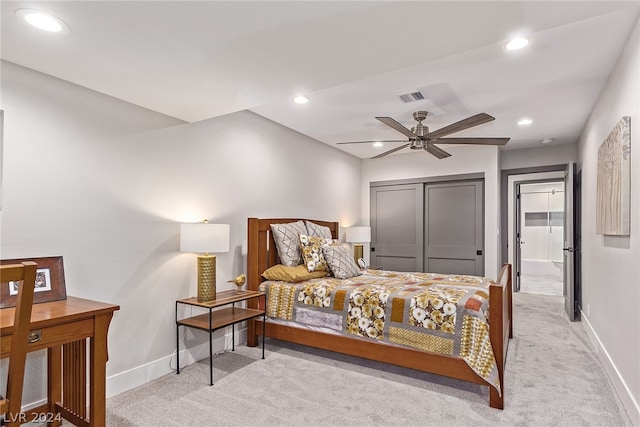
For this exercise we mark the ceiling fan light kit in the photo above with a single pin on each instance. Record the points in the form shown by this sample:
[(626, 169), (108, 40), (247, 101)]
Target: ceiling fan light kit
[(421, 139)]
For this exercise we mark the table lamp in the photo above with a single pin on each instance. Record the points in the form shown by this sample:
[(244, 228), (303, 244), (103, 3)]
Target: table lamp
[(358, 236), (204, 238)]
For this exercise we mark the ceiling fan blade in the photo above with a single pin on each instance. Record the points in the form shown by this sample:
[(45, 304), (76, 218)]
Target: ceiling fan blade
[(397, 126), (369, 142), (390, 151), (463, 124), (436, 151), (476, 141)]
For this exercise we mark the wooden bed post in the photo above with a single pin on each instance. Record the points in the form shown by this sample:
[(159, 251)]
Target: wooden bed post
[(500, 328), (253, 276)]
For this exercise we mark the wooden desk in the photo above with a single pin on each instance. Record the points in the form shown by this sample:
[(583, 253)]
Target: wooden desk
[(62, 327)]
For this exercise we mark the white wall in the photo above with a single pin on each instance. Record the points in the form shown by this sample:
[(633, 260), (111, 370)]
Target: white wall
[(611, 271), (464, 160), (105, 184), (547, 155)]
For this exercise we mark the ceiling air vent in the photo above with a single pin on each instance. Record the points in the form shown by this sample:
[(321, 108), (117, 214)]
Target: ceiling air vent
[(411, 97)]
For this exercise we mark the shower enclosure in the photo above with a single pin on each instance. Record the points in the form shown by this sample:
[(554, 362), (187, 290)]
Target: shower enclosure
[(540, 222)]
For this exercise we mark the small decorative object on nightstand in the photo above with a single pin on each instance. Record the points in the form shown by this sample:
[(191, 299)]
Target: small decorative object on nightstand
[(238, 281)]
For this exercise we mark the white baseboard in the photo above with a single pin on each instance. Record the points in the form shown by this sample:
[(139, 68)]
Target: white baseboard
[(630, 404), (142, 374)]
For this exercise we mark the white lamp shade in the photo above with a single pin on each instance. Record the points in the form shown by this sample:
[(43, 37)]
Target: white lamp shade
[(204, 237), (359, 234)]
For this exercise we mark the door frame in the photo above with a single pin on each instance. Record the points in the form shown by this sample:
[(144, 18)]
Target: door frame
[(504, 218), (505, 196)]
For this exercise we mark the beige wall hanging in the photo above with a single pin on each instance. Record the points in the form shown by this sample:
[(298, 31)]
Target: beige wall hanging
[(613, 195)]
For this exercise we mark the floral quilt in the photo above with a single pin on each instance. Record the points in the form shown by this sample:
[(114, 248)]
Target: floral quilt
[(445, 314)]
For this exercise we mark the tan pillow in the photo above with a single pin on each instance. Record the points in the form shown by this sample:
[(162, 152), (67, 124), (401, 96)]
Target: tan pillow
[(295, 274)]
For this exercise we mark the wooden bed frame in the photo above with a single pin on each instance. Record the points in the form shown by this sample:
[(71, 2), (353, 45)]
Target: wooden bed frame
[(262, 254)]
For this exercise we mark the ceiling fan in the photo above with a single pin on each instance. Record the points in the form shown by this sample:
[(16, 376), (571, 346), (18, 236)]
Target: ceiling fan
[(421, 139)]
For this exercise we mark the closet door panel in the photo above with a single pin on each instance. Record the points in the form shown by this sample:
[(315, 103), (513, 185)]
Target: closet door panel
[(397, 227), (453, 227)]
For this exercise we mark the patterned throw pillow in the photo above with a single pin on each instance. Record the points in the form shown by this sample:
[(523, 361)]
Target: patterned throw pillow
[(315, 230), (312, 252), (340, 262), (287, 242)]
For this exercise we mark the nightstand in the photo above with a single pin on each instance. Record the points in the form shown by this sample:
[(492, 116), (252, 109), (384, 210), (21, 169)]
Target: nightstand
[(220, 318)]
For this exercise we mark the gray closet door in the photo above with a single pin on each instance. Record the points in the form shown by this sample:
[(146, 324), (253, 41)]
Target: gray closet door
[(454, 228), (397, 227)]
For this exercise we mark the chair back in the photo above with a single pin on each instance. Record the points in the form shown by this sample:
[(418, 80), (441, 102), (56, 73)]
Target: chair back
[(25, 273)]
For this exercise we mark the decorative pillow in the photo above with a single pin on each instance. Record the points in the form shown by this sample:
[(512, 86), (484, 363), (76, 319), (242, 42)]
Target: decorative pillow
[(311, 248), (340, 262), (315, 230), (287, 242), (291, 274)]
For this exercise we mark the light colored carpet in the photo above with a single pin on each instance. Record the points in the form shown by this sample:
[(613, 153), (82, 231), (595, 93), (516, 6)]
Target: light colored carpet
[(540, 284), (552, 378)]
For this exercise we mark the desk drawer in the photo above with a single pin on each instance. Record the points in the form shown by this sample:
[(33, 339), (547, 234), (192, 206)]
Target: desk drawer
[(51, 336)]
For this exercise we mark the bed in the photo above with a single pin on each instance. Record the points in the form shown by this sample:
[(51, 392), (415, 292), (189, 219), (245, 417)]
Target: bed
[(484, 306)]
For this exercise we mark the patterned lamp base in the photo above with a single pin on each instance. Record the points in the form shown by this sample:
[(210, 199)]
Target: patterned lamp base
[(357, 251), (206, 278)]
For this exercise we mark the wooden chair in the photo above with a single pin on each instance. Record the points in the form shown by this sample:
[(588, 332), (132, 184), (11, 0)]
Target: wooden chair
[(26, 273)]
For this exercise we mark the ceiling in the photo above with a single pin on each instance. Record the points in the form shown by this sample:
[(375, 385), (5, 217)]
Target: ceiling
[(202, 59)]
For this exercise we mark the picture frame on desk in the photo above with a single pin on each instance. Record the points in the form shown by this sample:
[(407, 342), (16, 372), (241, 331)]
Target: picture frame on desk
[(50, 285)]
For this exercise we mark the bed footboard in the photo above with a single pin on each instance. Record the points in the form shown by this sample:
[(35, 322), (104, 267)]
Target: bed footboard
[(500, 328)]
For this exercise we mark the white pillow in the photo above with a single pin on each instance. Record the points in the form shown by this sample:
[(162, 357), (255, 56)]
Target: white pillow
[(288, 243), (340, 262), (315, 230)]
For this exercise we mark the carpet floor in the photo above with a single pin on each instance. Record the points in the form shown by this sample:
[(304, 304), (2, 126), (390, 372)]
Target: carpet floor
[(552, 378)]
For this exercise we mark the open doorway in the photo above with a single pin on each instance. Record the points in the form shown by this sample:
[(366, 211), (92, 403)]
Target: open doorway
[(539, 225), (571, 253)]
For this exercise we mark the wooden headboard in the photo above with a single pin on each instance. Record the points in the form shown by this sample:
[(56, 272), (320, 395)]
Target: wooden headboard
[(261, 249)]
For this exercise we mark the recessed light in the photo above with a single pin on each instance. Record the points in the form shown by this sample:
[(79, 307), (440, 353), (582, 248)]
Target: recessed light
[(517, 43), (547, 141), (378, 144), (524, 122), (43, 21), (300, 99)]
